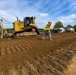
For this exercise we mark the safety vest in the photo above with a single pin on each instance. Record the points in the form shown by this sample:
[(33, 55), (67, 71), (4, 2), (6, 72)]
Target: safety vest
[(47, 27)]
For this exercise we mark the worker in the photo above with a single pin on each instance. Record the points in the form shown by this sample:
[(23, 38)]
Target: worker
[(47, 31)]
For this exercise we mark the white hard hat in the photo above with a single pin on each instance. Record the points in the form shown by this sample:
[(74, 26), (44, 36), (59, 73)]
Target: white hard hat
[(50, 21)]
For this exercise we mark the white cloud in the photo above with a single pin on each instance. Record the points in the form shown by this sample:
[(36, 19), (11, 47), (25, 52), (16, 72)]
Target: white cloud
[(44, 14), (70, 19), (58, 6), (73, 5)]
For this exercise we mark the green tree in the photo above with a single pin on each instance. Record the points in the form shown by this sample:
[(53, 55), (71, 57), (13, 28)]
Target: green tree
[(74, 27), (58, 24), (69, 26)]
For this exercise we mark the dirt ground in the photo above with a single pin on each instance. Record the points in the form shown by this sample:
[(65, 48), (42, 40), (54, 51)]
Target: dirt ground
[(32, 56)]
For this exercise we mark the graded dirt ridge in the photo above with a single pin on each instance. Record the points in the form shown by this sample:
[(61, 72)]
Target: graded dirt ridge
[(32, 56)]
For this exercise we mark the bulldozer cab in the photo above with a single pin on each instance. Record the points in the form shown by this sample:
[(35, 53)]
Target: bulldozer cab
[(28, 20)]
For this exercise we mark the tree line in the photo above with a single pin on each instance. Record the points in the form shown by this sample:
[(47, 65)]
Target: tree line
[(59, 24)]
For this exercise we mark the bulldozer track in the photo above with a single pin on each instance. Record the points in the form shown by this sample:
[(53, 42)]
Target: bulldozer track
[(33, 57), (13, 49)]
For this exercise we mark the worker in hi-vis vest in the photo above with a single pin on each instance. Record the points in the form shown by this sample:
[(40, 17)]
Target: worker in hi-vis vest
[(47, 31)]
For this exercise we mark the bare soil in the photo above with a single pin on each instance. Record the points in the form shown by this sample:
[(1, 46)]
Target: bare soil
[(32, 56)]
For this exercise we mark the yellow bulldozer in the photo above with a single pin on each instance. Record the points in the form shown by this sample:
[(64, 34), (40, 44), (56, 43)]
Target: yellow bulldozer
[(21, 28), (26, 27)]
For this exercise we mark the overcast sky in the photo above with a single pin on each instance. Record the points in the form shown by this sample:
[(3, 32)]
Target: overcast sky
[(43, 10)]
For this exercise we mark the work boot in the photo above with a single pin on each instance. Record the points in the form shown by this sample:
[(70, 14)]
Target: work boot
[(51, 39), (42, 38)]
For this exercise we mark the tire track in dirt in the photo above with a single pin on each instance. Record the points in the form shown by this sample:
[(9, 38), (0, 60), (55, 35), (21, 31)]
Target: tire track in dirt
[(2, 52), (13, 49), (16, 47), (52, 63)]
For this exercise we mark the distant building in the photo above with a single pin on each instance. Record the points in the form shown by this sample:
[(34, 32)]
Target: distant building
[(69, 29), (59, 30)]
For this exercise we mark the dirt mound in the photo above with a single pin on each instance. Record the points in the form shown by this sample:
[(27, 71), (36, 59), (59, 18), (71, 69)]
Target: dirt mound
[(71, 67), (32, 56)]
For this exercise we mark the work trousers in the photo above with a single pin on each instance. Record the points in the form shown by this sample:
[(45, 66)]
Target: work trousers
[(47, 33)]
